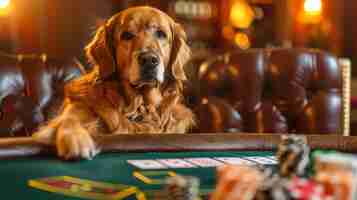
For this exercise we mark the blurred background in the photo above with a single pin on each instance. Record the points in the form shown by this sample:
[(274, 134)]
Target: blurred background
[(61, 28)]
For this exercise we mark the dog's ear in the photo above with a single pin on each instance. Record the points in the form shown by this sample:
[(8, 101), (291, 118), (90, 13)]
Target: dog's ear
[(180, 53), (101, 51)]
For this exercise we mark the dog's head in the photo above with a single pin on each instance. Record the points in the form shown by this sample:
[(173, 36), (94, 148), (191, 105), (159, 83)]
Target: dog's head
[(141, 46)]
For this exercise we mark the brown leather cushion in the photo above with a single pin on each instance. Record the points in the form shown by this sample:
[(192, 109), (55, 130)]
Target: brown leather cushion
[(278, 91), (30, 90), (217, 115)]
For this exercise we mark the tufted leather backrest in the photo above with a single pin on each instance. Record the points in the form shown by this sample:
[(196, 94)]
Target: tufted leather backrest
[(31, 91), (272, 91)]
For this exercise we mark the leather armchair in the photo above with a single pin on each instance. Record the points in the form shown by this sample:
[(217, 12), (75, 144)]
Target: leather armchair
[(271, 91), (31, 91), (258, 91)]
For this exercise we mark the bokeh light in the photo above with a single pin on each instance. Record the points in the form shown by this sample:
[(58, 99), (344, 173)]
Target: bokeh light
[(241, 15), (242, 40), (4, 4), (213, 76), (312, 13), (313, 6), (228, 32), (5, 7)]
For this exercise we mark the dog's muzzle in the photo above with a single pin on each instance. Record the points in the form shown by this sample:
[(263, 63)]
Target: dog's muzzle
[(148, 63)]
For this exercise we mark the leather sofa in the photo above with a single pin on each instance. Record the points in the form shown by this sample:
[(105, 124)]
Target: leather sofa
[(254, 91), (271, 91), (31, 90)]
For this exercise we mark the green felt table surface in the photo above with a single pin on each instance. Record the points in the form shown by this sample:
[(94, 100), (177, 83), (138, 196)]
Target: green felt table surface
[(110, 168)]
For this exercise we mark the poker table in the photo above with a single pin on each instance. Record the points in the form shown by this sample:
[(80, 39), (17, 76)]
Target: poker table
[(24, 159)]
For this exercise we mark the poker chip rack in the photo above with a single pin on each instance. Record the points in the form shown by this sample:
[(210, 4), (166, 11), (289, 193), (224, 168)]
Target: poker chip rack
[(27, 146)]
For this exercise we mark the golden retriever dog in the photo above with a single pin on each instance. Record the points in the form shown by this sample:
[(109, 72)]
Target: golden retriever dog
[(135, 86)]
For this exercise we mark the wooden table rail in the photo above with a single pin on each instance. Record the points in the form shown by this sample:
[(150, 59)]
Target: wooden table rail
[(27, 146)]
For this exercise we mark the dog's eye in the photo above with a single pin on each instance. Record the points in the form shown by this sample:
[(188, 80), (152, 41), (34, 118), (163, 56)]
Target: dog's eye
[(127, 35), (160, 34)]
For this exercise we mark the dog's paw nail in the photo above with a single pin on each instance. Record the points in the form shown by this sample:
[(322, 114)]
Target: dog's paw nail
[(86, 153), (96, 152), (93, 153)]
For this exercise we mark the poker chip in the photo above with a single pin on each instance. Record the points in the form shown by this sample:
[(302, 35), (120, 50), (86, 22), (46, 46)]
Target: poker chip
[(182, 188), (237, 182), (274, 188), (293, 155), (338, 174), (292, 189), (338, 185), (336, 162), (335, 176), (305, 189)]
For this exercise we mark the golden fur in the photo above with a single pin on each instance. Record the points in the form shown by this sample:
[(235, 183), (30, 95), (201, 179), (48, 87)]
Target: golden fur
[(105, 100)]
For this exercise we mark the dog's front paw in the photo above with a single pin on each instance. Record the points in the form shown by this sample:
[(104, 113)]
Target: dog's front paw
[(79, 145)]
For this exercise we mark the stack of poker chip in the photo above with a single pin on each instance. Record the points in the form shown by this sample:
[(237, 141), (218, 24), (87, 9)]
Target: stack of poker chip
[(251, 183), (295, 188), (293, 155), (182, 188), (335, 176), (306, 189), (338, 174), (274, 188), (237, 182)]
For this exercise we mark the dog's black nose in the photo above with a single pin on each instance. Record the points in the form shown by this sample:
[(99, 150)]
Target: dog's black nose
[(148, 59)]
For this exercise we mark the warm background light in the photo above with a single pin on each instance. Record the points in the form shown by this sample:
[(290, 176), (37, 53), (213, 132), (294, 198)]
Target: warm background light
[(5, 7), (242, 40), (312, 13), (228, 32), (4, 4), (313, 6), (241, 14)]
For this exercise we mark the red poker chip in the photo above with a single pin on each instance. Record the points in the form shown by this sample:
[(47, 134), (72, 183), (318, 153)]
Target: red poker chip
[(305, 189)]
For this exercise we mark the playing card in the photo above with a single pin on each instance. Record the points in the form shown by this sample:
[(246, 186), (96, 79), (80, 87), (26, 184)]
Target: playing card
[(147, 164), (204, 162), (176, 163), (82, 188), (235, 161), (272, 158), (262, 160)]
